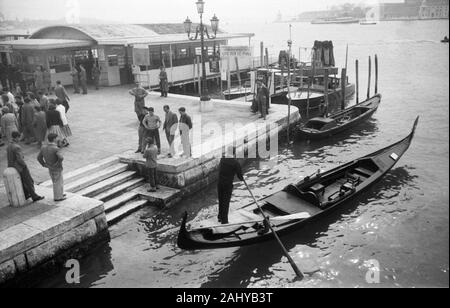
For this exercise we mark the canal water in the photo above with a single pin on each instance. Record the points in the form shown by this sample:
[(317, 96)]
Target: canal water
[(401, 223)]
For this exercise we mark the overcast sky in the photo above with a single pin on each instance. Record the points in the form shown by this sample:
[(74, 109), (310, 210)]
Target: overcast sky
[(153, 11)]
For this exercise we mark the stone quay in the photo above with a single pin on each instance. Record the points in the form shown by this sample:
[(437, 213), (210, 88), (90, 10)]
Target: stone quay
[(106, 181)]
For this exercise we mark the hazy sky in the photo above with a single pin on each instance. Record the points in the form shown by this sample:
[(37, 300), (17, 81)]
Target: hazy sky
[(153, 11)]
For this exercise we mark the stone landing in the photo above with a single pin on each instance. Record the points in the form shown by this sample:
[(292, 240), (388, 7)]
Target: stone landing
[(45, 234)]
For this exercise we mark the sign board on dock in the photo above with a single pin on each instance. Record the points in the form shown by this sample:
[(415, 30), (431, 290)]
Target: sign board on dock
[(235, 51), (141, 56)]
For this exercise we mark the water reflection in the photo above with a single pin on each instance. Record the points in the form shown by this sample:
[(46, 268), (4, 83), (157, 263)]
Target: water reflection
[(93, 268)]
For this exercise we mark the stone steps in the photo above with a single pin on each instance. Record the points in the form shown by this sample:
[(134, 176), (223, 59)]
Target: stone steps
[(92, 179), (125, 210), (115, 203), (85, 171), (115, 191), (109, 183)]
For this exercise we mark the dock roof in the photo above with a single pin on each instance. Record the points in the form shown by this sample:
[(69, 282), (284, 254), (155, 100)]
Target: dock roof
[(44, 44), (124, 34)]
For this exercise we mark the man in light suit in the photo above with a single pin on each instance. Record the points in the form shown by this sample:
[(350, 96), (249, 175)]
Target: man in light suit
[(50, 157), (170, 126)]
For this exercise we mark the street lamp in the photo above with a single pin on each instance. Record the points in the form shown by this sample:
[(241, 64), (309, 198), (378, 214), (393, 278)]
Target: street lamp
[(203, 31)]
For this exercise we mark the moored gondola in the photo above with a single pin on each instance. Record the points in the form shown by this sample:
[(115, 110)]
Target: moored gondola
[(299, 203), (323, 127)]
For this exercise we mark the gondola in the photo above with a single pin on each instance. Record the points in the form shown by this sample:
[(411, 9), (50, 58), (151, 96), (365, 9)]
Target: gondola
[(322, 127), (297, 204)]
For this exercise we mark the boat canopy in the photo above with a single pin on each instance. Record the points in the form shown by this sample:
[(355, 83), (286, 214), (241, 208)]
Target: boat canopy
[(323, 52)]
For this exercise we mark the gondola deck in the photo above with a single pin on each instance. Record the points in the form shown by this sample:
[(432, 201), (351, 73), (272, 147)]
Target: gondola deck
[(297, 204)]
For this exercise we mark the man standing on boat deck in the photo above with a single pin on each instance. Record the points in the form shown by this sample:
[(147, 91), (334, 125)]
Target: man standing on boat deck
[(228, 169), (262, 97)]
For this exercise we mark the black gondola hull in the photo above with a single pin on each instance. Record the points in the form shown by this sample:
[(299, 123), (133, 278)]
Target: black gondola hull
[(383, 160)]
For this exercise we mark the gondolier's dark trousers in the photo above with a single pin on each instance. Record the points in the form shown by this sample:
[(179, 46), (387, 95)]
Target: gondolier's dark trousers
[(225, 190)]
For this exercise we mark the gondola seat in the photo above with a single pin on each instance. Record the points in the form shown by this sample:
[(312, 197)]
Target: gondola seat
[(292, 200)]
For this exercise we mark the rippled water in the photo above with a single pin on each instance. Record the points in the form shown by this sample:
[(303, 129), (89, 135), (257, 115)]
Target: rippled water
[(402, 221)]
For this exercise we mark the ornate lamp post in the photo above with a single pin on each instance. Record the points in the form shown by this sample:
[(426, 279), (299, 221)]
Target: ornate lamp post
[(203, 31)]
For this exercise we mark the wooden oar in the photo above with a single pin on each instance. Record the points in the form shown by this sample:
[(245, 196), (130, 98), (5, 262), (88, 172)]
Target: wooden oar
[(297, 216), (286, 253)]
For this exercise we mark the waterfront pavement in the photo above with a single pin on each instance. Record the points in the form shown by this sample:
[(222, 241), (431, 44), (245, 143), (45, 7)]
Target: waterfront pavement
[(103, 124)]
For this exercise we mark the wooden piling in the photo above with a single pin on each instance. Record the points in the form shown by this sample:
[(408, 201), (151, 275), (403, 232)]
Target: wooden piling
[(267, 57), (261, 54), (238, 71), (370, 75), (343, 87), (357, 81), (376, 74), (325, 82), (310, 82)]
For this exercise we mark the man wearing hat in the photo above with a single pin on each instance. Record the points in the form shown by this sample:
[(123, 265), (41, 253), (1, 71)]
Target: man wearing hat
[(139, 94)]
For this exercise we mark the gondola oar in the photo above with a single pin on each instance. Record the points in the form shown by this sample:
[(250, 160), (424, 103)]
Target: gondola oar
[(285, 218), (286, 253)]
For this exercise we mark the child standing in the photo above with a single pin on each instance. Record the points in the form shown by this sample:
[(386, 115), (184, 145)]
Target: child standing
[(151, 156)]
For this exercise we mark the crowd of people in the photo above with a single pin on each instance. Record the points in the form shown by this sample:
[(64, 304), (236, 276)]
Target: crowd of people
[(35, 118)]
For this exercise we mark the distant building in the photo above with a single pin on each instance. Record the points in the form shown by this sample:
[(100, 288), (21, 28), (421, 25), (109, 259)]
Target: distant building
[(414, 9), (434, 9), (409, 9)]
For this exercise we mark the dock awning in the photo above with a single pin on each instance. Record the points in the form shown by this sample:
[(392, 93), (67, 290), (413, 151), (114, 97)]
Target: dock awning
[(182, 38), (43, 44)]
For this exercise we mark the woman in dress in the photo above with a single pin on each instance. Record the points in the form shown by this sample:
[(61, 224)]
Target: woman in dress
[(54, 124), (8, 124), (65, 128)]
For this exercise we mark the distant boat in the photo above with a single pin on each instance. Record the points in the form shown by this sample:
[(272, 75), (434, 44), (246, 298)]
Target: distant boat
[(237, 92), (335, 20), (367, 23), (445, 40)]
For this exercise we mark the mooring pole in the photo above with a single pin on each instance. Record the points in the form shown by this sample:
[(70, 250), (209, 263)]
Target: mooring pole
[(370, 77), (325, 81), (346, 57), (343, 87), (376, 74), (289, 102), (261, 54), (357, 81)]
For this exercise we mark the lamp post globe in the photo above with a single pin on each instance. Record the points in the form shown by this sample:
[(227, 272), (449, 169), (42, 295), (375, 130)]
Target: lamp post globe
[(200, 6), (187, 26)]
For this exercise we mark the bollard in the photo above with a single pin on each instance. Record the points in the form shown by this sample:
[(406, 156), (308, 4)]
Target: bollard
[(14, 188)]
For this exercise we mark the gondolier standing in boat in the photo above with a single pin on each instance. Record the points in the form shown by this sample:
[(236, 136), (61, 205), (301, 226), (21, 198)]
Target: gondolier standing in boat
[(228, 169)]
